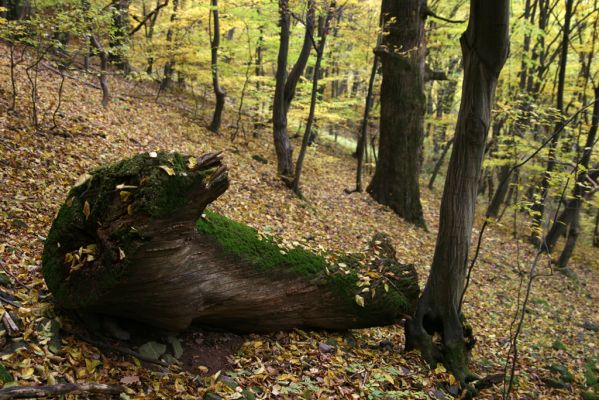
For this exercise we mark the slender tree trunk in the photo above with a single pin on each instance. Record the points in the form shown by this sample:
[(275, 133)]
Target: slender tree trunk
[(363, 137), (150, 35), (315, 78), (570, 215), (596, 231), (285, 86), (439, 163), (485, 47), (218, 90), (395, 181), (169, 67), (103, 69), (538, 207)]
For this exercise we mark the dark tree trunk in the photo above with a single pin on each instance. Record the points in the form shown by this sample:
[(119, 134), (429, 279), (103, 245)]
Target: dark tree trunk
[(570, 215), (316, 76), (286, 84), (169, 67), (501, 192), (485, 47), (538, 207), (150, 32), (363, 135), (439, 163), (140, 252), (218, 90), (395, 181), (120, 35)]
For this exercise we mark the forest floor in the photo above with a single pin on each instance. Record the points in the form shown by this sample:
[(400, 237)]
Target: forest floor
[(558, 346)]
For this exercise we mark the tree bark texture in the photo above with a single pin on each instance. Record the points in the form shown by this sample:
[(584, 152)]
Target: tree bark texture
[(128, 242), (219, 93), (485, 45), (395, 181)]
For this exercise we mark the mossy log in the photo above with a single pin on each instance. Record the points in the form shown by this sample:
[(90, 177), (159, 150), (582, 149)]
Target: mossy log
[(134, 240)]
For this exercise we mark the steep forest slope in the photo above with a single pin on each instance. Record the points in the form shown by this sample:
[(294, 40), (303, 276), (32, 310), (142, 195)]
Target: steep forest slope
[(558, 346)]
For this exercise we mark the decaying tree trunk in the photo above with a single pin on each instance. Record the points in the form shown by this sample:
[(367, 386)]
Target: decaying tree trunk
[(128, 242)]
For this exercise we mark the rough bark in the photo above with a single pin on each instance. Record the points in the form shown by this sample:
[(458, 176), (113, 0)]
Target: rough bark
[(395, 181), (485, 48), (128, 242), (219, 93)]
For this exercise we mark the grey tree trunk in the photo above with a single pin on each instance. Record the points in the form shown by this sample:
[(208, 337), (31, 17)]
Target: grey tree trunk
[(485, 46)]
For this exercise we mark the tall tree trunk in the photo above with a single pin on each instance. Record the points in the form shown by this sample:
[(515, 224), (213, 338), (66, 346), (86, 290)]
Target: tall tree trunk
[(363, 136), (570, 215), (315, 78), (169, 67), (538, 207), (485, 47), (395, 181), (218, 90), (285, 85)]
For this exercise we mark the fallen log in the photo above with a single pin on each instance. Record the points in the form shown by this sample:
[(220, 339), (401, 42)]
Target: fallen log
[(29, 392), (129, 242)]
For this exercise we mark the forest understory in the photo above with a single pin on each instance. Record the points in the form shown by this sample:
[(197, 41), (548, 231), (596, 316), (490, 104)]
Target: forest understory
[(558, 346)]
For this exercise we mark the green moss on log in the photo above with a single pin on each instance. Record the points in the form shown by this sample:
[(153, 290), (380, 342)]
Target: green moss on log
[(342, 278), (152, 186)]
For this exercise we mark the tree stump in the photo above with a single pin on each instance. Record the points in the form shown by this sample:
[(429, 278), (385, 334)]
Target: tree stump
[(134, 240)]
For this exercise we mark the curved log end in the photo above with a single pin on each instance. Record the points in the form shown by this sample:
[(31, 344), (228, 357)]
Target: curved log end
[(99, 225)]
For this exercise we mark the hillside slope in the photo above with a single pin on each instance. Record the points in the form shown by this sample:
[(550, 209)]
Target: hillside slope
[(37, 169)]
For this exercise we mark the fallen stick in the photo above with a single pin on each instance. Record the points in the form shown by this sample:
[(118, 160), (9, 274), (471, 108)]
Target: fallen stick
[(24, 392), (10, 325)]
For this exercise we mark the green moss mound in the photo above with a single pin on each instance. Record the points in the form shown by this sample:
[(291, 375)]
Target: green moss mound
[(151, 185), (342, 278)]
